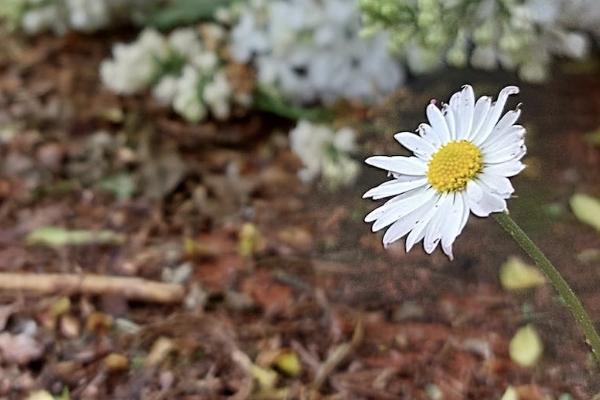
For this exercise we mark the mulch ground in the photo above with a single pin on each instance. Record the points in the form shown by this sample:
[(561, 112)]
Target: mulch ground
[(288, 294)]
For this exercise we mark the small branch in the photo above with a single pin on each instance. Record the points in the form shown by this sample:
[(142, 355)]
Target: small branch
[(128, 287)]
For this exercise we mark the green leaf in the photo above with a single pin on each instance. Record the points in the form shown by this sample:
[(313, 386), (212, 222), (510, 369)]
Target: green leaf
[(121, 185), (58, 237), (593, 137), (516, 275), (526, 347), (268, 100), (587, 209), (183, 12)]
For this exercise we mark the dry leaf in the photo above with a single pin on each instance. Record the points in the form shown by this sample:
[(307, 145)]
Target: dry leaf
[(587, 209), (516, 274), (526, 347)]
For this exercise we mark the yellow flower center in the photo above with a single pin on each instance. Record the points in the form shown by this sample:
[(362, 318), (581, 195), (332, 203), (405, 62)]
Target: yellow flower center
[(453, 165)]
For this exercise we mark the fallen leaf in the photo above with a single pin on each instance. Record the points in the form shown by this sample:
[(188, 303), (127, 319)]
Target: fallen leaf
[(40, 395), (516, 275), (250, 240), (160, 350), (116, 362), (510, 394), (526, 347), (587, 209), (121, 185), (593, 137), (289, 363), (57, 237), (266, 377)]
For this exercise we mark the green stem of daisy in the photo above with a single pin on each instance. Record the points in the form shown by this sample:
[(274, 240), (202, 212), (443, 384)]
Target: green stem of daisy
[(562, 287)]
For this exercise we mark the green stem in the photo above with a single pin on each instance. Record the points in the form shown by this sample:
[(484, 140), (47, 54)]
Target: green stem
[(562, 287)]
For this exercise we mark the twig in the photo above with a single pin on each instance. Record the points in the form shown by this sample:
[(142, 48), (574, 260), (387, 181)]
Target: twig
[(337, 356), (128, 287)]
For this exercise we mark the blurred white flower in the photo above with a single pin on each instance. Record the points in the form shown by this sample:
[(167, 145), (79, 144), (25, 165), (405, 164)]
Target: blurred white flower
[(217, 95), (185, 42), (187, 97), (81, 15), (518, 35), (324, 152), (134, 65), (43, 18), (461, 164), (166, 89), (312, 50), (88, 15), (186, 74)]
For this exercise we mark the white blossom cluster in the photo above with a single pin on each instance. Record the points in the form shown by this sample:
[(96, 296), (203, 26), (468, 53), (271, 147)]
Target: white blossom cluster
[(520, 35), (59, 16), (183, 69), (311, 50), (324, 152)]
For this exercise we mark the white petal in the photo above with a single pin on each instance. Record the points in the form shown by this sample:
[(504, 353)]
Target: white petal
[(399, 164), (433, 233), (418, 231), (494, 114), (405, 224), (400, 209), (416, 144), (381, 210), (501, 128), (466, 212), (488, 204), (455, 109), (452, 224), (474, 191), (516, 151), (430, 135), (482, 107), (465, 112), (507, 169), (395, 187), (450, 120), (515, 133), (438, 123), (498, 184)]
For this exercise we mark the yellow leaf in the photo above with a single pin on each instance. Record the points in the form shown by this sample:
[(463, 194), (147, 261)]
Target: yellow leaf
[(587, 209), (526, 347), (266, 377), (40, 395), (510, 394), (288, 362), (516, 274), (250, 240)]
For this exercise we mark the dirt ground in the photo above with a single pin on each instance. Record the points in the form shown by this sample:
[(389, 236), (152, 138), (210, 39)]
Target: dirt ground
[(287, 292)]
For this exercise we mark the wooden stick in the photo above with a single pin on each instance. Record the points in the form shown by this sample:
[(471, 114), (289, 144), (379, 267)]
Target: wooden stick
[(128, 287)]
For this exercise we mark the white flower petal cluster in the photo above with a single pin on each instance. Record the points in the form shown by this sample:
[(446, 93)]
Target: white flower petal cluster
[(324, 152), (461, 164), (312, 50), (60, 16), (527, 40), (181, 69), (135, 65), (520, 35)]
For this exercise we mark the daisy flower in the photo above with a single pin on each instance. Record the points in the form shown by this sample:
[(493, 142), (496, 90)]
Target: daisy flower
[(461, 164)]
